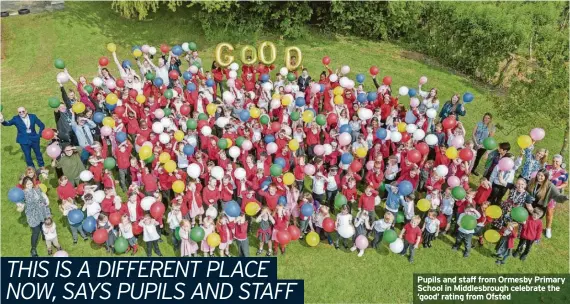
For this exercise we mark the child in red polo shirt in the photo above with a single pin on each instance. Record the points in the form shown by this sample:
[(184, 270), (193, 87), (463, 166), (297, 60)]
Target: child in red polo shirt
[(240, 236), (531, 232), (411, 235), (65, 190)]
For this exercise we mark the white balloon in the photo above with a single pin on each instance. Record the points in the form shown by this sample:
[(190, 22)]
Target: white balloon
[(194, 69), (333, 77), (232, 74), (350, 84), (239, 173), (395, 136), (275, 104), (419, 134), (271, 148), (174, 93), (185, 47), (166, 122), (159, 113), (212, 212), (228, 96), (206, 130), (431, 113), (217, 172), (98, 196), (234, 66), (192, 140), (345, 69), (431, 139), (252, 95), (403, 91), (283, 71), (364, 113), (397, 246), (146, 202), (414, 102), (222, 121), (411, 128), (234, 152), (152, 50), (164, 138), (328, 149), (267, 86), (193, 170), (441, 170), (97, 81), (287, 129), (343, 82), (157, 127), (458, 142), (62, 77), (346, 231), (147, 143), (85, 175)]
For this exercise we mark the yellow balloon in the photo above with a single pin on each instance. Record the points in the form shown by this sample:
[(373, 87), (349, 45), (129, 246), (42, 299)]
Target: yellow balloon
[(112, 99), (272, 52), (288, 55), (251, 51), (145, 152), (494, 212), (251, 208), (293, 144), (451, 152), (141, 98), (211, 109), (402, 127), (338, 91), (286, 100), (43, 187), (276, 96), (137, 53), (229, 143), (254, 112), (213, 240), (312, 239), (424, 205), (224, 60), (308, 116), (178, 186), (170, 166), (179, 136), (361, 152), (163, 157), (288, 178), (78, 107), (109, 122), (492, 236), (338, 100), (524, 141), (111, 47)]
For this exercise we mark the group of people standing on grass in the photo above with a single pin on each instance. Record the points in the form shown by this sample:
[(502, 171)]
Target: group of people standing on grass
[(302, 149)]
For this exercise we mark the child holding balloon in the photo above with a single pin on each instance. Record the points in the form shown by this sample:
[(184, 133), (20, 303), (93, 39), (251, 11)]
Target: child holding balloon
[(508, 235), (174, 220), (381, 225), (66, 206), (344, 227), (126, 231), (209, 228), (103, 223), (467, 223), (188, 247), (447, 208), (150, 235), (225, 230)]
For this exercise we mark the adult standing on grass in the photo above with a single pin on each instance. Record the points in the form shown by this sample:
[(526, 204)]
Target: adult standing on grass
[(28, 137), (36, 210), (452, 107), (482, 130), (70, 163)]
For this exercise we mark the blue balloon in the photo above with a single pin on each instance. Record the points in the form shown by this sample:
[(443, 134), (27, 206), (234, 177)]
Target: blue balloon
[(411, 92), (158, 82), (187, 75), (299, 101), (346, 158), (307, 210), (16, 195), (322, 87), (135, 47), (126, 64), (75, 216), (110, 107), (188, 150), (346, 128), (98, 117), (232, 209), (191, 87), (121, 136), (360, 78), (361, 97), (210, 82), (371, 96), (264, 78), (280, 161), (265, 183), (177, 50), (89, 224), (468, 97), (269, 138), (381, 133), (405, 188), (244, 115), (282, 200), (410, 117)]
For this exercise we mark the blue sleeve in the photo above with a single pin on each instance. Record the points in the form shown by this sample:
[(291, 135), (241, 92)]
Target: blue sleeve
[(8, 122), (40, 124)]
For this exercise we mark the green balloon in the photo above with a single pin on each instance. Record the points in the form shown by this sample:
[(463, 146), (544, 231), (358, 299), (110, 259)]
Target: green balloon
[(53, 102), (203, 116), (400, 218), (88, 88), (109, 163), (339, 201), (192, 124), (197, 234), (59, 63), (389, 236), (239, 141), (192, 46), (149, 160), (222, 143), (149, 76), (321, 120), (519, 214), (468, 222), (196, 64), (295, 116), (167, 111), (177, 233), (264, 119), (121, 245), (1, 107), (382, 187), (168, 94), (276, 170), (490, 143), (291, 77), (458, 193)]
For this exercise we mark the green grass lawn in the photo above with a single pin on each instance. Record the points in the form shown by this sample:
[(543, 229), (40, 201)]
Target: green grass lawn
[(79, 35)]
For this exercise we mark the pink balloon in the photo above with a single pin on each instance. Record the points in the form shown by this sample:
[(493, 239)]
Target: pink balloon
[(537, 134), (288, 88), (414, 102), (53, 150), (246, 145), (61, 254), (315, 88), (458, 142), (159, 113), (309, 169), (506, 164), (231, 83), (145, 48), (106, 130), (423, 80), (319, 150), (453, 181), (533, 174), (271, 148), (110, 83), (370, 165), (361, 242), (344, 139)]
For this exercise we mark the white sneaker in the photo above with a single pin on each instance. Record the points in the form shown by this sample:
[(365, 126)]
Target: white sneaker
[(353, 248), (361, 253), (548, 233)]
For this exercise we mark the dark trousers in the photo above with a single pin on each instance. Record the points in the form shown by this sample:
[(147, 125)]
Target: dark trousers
[(497, 194), (377, 238), (36, 231), (412, 248), (150, 245), (527, 245), (124, 179), (319, 197), (175, 241), (480, 153), (243, 247), (463, 237), (330, 198), (27, 149)]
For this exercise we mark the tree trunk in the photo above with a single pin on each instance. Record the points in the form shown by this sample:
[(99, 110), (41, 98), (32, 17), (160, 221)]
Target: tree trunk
[(565, 141)]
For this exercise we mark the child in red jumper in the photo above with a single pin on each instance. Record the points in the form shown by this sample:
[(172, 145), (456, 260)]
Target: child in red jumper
[(411, 235), (65, 190), (531, 232), (507, 242), (483, 191)]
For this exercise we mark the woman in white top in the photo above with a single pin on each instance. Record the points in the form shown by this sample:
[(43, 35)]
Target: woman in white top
[(430, 101)]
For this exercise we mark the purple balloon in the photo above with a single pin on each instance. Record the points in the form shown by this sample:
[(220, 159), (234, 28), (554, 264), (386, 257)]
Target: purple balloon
[(53, 150)]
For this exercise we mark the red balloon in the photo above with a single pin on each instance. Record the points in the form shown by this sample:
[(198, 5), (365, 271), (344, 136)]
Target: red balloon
[(283, 237), (115, 218), (415, 156), (202, 123), (133, 93), (103, 61), (120, 110), (164, 48), (157, 210), (405, 136), (100, 236), (294, 232), (326, 60), (80, 189), (328, 224), (355, 166), (173, 74), (137, 230), (332, 119), (449, 122), (185, 109), (140, 140), (275, 126), (272, 67), (374, 70), (466, 154), (387, 80), (120, 83), (442, 221), (423, 148), (48, 134)]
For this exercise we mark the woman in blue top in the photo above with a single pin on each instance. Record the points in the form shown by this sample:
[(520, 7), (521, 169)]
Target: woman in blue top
[(532, 162), (482, 130), (452, 107)]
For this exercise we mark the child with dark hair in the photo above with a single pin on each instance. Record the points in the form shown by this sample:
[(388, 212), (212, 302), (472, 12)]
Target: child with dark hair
[(531, 232)]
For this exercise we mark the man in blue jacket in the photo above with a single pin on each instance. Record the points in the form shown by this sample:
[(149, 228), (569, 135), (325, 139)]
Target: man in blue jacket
[(27, 136)]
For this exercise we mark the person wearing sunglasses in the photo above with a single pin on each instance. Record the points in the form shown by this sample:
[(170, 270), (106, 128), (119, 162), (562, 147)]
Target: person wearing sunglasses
[(28, 137)]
